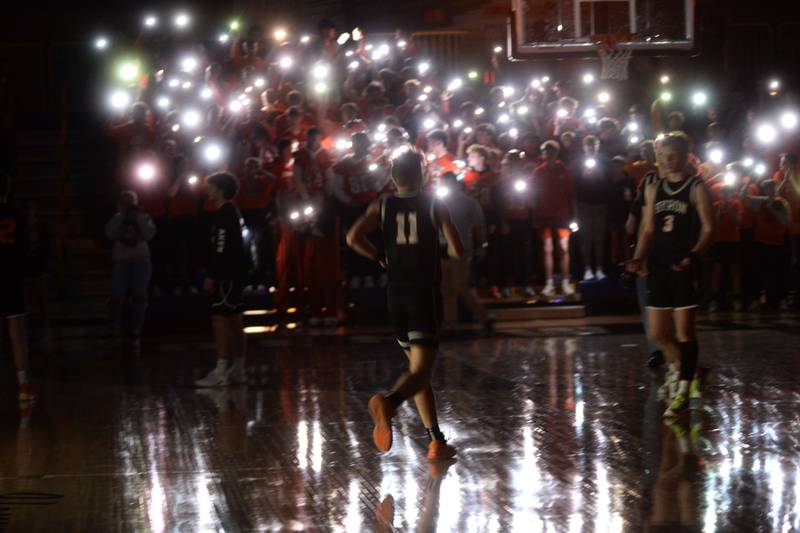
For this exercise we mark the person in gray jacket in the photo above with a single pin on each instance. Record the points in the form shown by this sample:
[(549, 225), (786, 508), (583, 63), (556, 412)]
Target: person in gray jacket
[(129, 229)]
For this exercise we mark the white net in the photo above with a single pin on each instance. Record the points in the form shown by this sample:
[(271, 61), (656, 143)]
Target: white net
[(615, 62)]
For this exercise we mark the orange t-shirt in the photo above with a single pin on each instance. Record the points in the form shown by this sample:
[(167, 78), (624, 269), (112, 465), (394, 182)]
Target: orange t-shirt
[(639, 169), (255, 192), (440, 166), (728, 223), (768, 230), (554, 191)]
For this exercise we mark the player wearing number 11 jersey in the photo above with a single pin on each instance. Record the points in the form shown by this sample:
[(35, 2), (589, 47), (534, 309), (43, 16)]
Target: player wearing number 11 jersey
[(410, 222), (677, 228)]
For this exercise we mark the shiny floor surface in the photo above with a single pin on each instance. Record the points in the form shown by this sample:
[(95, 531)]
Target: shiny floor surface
[(555, 433)]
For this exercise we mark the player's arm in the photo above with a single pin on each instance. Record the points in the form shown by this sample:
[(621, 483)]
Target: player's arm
[(455, 248), (705, 210), (646, 229), (366, 224)]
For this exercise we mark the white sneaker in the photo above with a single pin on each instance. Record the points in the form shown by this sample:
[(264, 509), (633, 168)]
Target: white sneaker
[(588, 275), (236, 374), (567, 288), (669, 388), (529, 292), (213, 379), (600, 274), (549, 288)]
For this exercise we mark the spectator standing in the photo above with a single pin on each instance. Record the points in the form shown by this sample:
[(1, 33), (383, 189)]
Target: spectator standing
[(593, 191), (726, 251), (129, 229), (623, 190)]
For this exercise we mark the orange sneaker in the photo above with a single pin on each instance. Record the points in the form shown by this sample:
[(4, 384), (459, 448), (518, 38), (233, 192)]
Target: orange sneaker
[(439, 450), (382, 413), (25, 394)]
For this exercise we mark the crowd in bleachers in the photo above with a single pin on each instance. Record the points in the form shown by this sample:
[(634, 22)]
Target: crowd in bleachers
[(308, 124)]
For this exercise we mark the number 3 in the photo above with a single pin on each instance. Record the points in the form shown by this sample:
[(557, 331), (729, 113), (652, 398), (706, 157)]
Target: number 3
[(669, 223), (411, 236)]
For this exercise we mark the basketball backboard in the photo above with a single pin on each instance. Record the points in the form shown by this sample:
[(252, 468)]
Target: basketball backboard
[(566, 28)]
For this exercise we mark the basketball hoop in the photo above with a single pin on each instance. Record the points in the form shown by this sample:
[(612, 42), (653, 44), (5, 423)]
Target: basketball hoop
[(614, 60)]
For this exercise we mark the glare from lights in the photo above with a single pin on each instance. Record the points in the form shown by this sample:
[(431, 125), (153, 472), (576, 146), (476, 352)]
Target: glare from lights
[(508, 92), (766, 133), (520, 185), (498, 49), (427, 89), (536, 83), (729, 178), (353, 65), (401, 44), (513, 133), (280, 34), (588, 78), (342, 144), (128, 71), (223, 38), (716, 156), (379, 136), (101, 43), (522, 110), (666, 96), (235, 106), (372, 167), (546, 79), (423, 67), (192, 180), (191, 118), (560, 27), (473, 75), (423, 97), (381, 127), (633, 126), (664, 79), (589, 113), (308, 211), (181, 20), (428, 123), (699, 98), (455, 84), (343, 38), (603, 97), (457, 123), (590, 162), (504, 118), (234, 25), (320, 71), (188, 64), (320, 87), (212, 153), (468, 130), (176, 128), (789, 120), (634, 139), (259, 83), (294, 215), (206, 93), (573, 227), (562, 113), (119, 99), (479, 111), (774, 85), (368, 47), (442, 192), (186, 85), (146, 172), (163, 102), (747, 162), (305, 39), (760, 169)]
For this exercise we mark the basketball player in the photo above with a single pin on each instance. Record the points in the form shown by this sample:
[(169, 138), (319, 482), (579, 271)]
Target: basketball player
[(410, 222), (226, 271), (678, 229), (14, 250)]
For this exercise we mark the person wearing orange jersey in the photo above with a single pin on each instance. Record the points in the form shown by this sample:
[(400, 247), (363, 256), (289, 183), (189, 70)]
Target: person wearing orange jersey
[(726, 251), (291, 242), (355, 185), (516, 226), (639, 169), (439, 159), (554, 209), (772, 218)]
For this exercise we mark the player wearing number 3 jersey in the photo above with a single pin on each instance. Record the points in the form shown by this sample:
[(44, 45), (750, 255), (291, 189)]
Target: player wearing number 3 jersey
[(677, 229), (410, 222)]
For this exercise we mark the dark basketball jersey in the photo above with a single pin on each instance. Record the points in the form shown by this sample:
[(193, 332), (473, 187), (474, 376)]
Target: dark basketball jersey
[(411, 235), (676, 221)]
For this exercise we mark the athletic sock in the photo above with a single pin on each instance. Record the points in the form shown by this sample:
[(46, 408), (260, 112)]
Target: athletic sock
[(22, 377), (688, 360), (222, 365), (435, 433), (394, 398)]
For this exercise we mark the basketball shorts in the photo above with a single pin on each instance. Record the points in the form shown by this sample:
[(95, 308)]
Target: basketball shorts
[(12, 297), (227, 298), (416, 313), (667, 289)]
